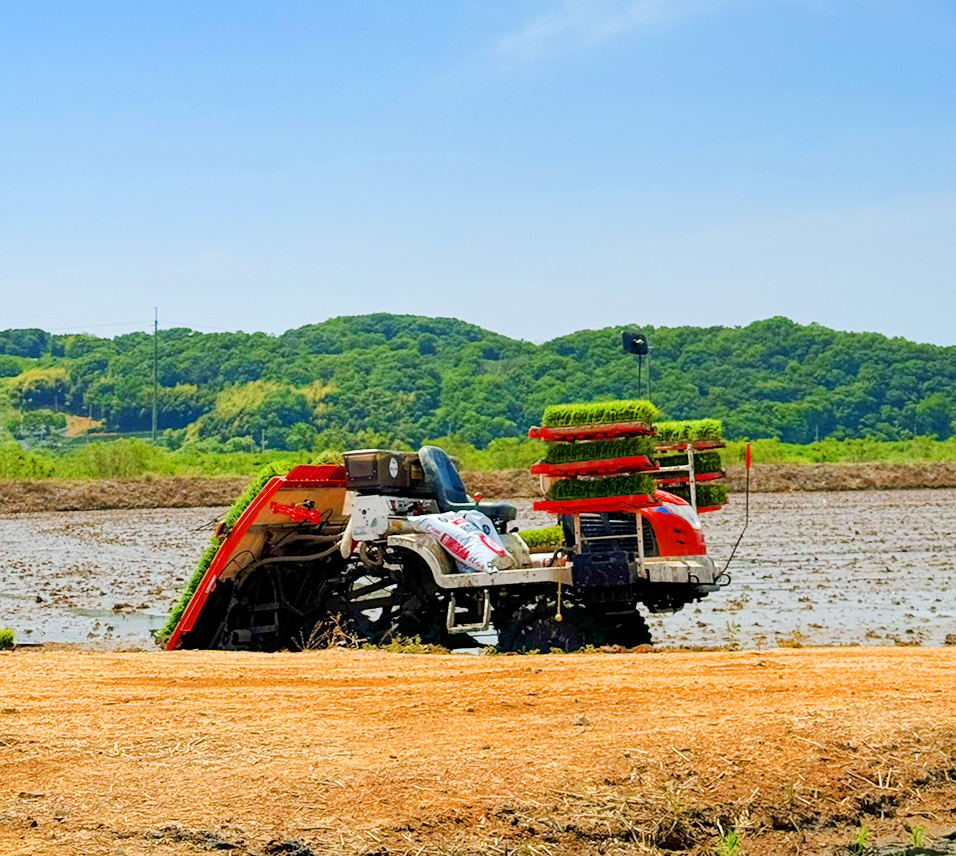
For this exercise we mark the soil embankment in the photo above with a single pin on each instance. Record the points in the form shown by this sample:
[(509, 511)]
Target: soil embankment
[(26, 496), (33, 496), (358, 752), (873, 475)]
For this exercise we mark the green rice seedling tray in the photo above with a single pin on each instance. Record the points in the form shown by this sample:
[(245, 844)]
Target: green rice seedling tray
[(620, 411), (689, 429), (606, 467), (706, 462), (709, 495), (542, 540), (599, 450), (706, 468), (621, 485)]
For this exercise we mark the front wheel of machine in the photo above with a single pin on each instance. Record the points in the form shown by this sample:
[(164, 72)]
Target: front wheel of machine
[(628, 632), (535, 628)]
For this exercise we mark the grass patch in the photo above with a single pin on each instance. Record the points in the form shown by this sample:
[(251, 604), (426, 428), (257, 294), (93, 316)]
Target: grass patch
[(627, 410), (728, 844), (689, 429), (707, 493), (405, 645), (608, 486), (599, 450), (829, 450), (541, 540), (6, 639), (705, 462)]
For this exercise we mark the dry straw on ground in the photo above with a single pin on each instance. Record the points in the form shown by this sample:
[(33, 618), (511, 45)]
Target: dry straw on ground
[(356, 752)]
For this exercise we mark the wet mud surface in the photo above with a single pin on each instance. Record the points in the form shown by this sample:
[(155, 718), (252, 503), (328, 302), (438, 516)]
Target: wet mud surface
[(97, 576), (871, 568), (833, 568)]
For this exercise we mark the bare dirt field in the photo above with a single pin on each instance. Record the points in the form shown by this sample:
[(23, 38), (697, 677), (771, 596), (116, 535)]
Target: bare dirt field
[(365, 752), (860, 567)]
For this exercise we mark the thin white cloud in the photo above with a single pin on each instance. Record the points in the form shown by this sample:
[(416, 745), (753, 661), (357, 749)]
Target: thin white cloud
[(576, 24)]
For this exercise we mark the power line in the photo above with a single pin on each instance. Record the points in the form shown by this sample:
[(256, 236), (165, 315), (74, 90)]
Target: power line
[(82, 328)]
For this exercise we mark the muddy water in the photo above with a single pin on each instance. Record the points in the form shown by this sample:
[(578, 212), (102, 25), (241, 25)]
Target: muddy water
[(867, 567), (873, 567), (850, 567), (98, 576)]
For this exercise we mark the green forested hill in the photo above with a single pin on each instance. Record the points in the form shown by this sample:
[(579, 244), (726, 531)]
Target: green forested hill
[(411, 378)]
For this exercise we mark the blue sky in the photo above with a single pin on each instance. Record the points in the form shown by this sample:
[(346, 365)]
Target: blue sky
[(533, 166)]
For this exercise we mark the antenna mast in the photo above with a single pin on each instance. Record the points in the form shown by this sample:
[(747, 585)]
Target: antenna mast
[(155, 373)]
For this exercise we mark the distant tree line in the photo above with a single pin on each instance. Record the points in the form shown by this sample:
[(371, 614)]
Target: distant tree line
[(398, 377)]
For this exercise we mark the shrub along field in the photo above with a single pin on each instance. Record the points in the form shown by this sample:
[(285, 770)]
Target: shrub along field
[(133, 458)]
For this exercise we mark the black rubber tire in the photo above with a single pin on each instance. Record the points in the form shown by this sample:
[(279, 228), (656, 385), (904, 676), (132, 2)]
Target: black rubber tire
[(413, 610), (628, 631), (534, 627)]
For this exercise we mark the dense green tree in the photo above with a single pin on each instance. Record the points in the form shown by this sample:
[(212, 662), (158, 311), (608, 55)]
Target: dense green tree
[(406, 378)]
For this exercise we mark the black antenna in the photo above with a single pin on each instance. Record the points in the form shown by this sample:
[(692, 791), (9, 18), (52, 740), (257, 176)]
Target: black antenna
[(636, 343)]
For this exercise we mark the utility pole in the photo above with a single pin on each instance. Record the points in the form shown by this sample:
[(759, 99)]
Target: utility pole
[(155, 373)]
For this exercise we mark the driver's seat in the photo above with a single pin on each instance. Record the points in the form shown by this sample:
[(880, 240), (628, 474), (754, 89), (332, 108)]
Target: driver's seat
[(449, 490)]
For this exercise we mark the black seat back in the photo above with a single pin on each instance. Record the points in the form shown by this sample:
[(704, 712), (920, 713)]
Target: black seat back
[(443, 478), (449, 490)]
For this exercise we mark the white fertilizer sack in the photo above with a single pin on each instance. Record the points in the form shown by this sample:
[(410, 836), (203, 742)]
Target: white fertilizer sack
[(465, 536)]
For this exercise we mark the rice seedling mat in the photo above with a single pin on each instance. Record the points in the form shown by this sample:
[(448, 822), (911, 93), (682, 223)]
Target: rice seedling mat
[(240, 521), (710, 494), (592, 431), (634, 502), (605, 467)]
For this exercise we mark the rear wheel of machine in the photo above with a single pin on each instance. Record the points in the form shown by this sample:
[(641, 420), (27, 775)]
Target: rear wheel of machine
[(534, 627), (276, 605), (390, 602)]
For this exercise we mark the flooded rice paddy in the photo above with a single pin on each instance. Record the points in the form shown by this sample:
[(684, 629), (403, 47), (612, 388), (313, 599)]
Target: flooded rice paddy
[(864, 568)]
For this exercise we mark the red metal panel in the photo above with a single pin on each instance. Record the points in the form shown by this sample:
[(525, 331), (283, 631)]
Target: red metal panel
[(634, 502), (311, 475), (607, 467), (681, 445), (701, 477), (216, 566), (594, 431), (675, 536)]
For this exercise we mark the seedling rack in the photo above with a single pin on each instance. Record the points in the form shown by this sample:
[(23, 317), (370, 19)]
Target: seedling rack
[(592, 431), (607, 467), (683, 474), (632, 503), (688, 473)]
